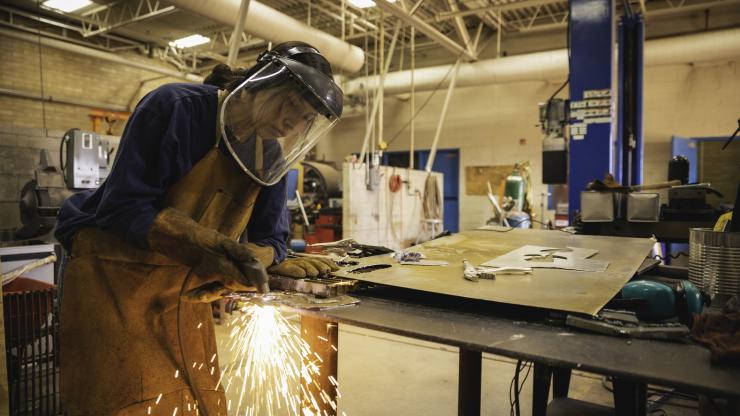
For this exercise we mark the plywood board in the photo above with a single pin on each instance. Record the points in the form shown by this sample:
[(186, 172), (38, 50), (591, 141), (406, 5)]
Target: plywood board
[(379, 216), (564, 290), (477, 178)]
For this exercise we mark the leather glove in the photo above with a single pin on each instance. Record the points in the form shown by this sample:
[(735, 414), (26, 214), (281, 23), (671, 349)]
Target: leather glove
[(214, 257), (300, 267)]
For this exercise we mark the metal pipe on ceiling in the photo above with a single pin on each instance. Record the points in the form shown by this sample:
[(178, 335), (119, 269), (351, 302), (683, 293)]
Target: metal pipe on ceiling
[(94, 53), (236, 35), (274, 26), (63, 100), (545, 66)]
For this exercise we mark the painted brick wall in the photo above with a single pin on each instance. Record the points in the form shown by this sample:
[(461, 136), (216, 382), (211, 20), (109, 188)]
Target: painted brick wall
[(487, 123), (66, 75)]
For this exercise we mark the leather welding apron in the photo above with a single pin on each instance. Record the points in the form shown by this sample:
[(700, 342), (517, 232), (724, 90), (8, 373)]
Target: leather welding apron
[(120, 353)]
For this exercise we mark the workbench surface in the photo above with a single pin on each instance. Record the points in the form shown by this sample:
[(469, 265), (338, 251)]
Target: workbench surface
[(671, 364)]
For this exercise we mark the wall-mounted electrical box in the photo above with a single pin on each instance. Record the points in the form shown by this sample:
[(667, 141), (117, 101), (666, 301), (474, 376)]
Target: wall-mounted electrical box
[(87, 159)]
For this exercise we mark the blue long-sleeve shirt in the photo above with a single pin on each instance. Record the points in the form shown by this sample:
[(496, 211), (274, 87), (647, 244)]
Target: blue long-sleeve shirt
[(171, 129)]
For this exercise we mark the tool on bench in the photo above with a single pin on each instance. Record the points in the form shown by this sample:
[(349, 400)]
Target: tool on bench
[(610, 185), (474, 273), (625, 323), (352, 248), (661, 300)]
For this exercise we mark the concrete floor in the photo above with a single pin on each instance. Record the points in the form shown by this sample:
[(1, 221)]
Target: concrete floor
[(384, 374)]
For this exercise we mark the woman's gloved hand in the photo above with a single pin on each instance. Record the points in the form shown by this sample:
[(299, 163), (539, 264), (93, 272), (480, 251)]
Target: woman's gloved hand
[(300, 267), (214, 257)]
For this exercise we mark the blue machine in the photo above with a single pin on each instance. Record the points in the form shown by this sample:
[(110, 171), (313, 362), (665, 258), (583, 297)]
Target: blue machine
[(605, 110)]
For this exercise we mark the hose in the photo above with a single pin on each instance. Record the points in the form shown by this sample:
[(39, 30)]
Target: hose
[(432, 199)]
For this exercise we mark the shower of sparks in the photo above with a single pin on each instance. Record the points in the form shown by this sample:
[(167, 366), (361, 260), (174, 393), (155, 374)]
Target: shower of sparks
[(274, 370)]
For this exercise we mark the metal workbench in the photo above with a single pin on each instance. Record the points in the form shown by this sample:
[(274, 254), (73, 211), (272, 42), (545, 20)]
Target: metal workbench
[(520, 333)]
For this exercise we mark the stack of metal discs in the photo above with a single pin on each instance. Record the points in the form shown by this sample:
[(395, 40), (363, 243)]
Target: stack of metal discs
[(714, 261)]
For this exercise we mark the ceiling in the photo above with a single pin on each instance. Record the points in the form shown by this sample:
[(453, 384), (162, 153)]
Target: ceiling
[(147, 26)]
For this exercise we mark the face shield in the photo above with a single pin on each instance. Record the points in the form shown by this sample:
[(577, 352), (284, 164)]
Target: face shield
[(277, 115)]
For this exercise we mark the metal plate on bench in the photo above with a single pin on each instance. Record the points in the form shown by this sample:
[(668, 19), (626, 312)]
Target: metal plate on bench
[(565, 290)]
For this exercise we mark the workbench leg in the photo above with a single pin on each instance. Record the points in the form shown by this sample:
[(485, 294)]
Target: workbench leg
[(560, 382), (468, 391), (322, 338), (630, 398), (541, 389)]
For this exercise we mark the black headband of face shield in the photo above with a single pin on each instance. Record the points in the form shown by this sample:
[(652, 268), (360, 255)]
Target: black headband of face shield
[(267, 56), (303, 90), (315, 86)]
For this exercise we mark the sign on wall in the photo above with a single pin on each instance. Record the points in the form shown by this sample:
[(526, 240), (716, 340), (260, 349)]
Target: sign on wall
[(478, 177)]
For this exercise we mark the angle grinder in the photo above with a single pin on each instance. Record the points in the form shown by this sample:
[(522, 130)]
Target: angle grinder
[(662, 300)]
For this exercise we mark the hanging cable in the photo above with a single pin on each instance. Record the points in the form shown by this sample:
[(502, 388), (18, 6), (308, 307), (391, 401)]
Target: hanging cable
[(413, 97), (41, 63), (431, 202), (727, 143), (188, 375), (424, 104)]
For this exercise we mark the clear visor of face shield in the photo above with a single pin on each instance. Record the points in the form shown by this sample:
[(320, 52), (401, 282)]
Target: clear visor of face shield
[(275, 117)]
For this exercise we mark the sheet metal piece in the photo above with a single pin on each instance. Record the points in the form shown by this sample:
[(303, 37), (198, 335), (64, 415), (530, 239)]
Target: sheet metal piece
[(325, 287), (565, 290), (539, 257), (297, 300)]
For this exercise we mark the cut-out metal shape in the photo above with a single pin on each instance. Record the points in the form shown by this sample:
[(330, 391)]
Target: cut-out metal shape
[(568, 258)]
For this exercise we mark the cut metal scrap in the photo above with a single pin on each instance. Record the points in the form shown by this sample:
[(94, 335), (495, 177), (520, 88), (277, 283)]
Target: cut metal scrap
[(424, 262), (473, 273), (411, 258), (568, 258)]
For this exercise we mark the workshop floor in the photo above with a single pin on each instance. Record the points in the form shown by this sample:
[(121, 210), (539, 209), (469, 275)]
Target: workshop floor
[(384, 374)]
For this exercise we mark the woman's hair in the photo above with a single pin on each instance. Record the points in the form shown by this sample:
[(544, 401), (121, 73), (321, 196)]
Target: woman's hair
[(226, 78)]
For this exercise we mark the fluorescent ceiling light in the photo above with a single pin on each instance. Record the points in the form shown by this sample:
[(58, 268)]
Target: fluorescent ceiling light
[(190, 41), (364, 4), (67, 5)]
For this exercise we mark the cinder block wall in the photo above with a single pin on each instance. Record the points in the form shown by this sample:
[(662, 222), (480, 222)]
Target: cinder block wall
[(487, 123), (66, 75)]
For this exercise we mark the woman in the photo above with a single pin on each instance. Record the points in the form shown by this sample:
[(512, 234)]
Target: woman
[(198, 166)]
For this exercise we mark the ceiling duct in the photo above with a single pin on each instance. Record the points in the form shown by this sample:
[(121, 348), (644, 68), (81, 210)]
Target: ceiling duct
[(553, 65), (273, 26)]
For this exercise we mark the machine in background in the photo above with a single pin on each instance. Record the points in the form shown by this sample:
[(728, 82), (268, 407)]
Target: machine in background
[(553, 123), (515, 209), (315, 204), (637, 211), (87, 158), (85, 165)]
